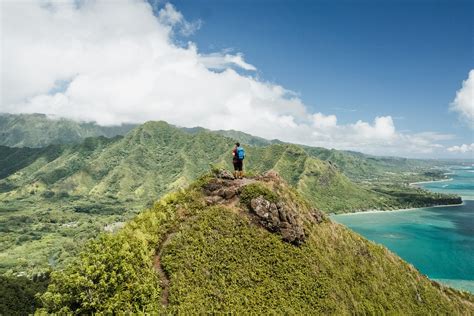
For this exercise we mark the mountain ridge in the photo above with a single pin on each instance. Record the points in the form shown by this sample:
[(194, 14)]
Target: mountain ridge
[(21, 127), (229, 247), (155, 158), (54, 198), (40, 130)]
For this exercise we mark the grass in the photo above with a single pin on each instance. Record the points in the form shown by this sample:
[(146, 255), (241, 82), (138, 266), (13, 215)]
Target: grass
[(255, 190), (218, 260)]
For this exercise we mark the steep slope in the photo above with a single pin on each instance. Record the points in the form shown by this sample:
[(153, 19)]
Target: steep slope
[(361, 167), (358, 166), (37, 130), (156, 158), (13, 159), (54, 198), (251, 246)]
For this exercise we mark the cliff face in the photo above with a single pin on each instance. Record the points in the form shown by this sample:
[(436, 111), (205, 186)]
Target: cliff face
[(243, 246)]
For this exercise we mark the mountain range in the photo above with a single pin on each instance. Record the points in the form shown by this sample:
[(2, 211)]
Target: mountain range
[(155, 158), (63, 183), (39, 130)]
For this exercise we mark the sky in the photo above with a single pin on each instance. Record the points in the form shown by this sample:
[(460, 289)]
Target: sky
[(380, 77)]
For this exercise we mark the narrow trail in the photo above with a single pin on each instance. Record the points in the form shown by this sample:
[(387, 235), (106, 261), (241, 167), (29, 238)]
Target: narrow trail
[(164, 279)]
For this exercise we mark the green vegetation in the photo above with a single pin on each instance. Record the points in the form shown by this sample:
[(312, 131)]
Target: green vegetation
[(362, 168), (53, 199), (182, 256), (34, 238), (254, 190), (18, 294), (115, 272), (37, 130), (412, 197)]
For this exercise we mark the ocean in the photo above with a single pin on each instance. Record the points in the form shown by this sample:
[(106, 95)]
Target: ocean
[(438, 241)]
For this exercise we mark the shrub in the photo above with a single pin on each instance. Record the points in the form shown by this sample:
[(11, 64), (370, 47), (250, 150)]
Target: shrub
[(47, 194), (255, 190)]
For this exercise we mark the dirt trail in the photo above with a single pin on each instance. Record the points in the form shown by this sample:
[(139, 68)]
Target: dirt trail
[(164, 279)]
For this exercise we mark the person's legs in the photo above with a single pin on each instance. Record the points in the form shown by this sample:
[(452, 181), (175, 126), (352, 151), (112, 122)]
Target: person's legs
[(236, 169), (240, 173)]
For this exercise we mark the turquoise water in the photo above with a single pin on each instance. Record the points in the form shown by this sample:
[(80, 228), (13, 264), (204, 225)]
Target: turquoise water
[(462, 183), (439, 241)]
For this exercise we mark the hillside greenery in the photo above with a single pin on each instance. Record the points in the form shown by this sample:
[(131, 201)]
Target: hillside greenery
[(39, 130), (55, 198), (18, 295), (185, 256)]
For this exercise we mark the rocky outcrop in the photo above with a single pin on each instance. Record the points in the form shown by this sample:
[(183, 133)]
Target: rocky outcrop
[(224, 174), (270, 175), (217, 191), (279, 218)]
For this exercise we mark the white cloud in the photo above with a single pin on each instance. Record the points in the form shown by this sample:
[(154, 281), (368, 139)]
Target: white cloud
[(168, 15), (464, 101), (464, 148), (324, 121), (220, 61), (122, 65)]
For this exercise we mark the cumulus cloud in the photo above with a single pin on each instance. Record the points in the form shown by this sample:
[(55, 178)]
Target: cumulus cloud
[(464, 148), (220, 61), (119, 62), (170, 16), (464, 101)]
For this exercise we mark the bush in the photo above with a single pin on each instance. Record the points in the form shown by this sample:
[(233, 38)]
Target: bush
[(17, 294), (255, 190), (62, 195)]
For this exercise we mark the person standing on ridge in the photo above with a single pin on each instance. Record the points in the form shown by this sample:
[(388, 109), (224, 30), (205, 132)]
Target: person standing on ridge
[(238, 155)]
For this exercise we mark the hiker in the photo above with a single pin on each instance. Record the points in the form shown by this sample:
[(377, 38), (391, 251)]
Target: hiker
[(238, 154)]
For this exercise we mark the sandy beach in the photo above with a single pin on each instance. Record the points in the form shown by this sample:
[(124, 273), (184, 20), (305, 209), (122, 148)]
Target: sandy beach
[(397, 210), (424, 182)]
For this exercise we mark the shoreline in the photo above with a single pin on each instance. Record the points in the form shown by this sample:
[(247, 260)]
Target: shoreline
[(425, 182), (398, 210)]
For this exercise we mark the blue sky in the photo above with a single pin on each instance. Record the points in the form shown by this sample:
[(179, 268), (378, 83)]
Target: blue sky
[(355, 59), (380, 77)]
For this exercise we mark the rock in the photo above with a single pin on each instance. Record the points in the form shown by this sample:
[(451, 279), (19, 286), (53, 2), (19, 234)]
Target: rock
[(224, 174), (224, 189), (211, 187), (317, 216), (211, 200), (271, 174), (229, 193), (260, 206), (220, 192), (279, 218)]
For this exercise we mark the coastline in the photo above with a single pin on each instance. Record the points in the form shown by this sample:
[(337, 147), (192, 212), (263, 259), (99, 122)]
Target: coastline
[(397, 210), (384, 234), (425, 182)]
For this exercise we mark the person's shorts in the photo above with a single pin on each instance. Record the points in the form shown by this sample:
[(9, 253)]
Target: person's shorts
[(238, 165)]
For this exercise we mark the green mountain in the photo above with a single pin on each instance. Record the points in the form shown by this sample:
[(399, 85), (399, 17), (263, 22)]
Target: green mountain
[(37, 130), (53, 199), (156, 158), (251, 246), (357, 166)]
